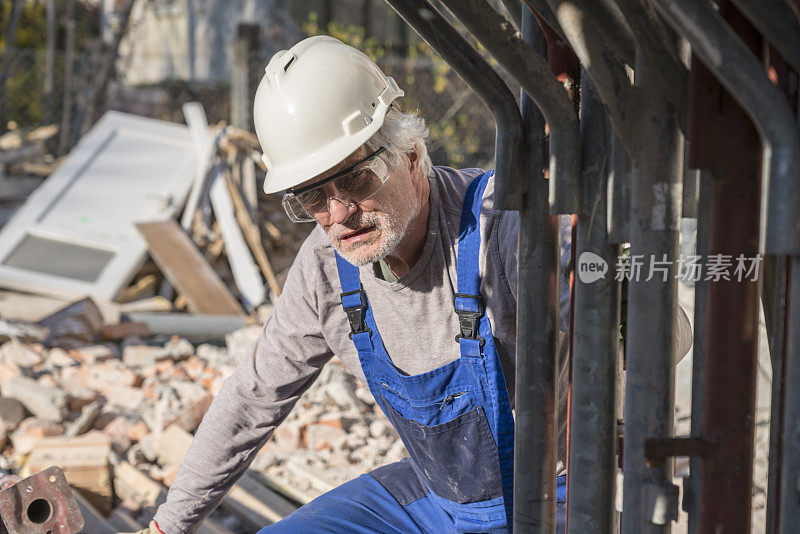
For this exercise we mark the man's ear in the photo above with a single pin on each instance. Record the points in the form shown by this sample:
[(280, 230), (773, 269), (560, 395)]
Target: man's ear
[(413, 160)]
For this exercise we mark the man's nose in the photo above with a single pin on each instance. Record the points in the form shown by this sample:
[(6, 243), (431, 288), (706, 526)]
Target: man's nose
[(340, 211)]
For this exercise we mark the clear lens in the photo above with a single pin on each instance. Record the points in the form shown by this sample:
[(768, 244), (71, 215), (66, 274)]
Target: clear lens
[(350, 189)]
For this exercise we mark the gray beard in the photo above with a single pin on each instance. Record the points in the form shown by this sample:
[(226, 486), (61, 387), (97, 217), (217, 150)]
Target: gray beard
[(392, 233)]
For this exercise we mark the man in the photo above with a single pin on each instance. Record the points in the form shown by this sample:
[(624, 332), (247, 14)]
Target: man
[(409, 278)]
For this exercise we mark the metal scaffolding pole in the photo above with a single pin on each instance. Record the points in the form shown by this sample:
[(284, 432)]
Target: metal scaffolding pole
[(593, 422), (533, 73), (727, 475), (482, 78), (743, 74), (789, 517), (537, 329), (775, 298), (650, 498)]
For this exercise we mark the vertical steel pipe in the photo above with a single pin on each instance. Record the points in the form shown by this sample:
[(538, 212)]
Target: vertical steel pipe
[(537, 328), (743, 74), (731, 320), (691, 487), (775, 298), (532, 72), (652, 36), (703, 94), (593, 423), (619, 191), (482, 78), (608, 73), (789, 517), (650, 498)]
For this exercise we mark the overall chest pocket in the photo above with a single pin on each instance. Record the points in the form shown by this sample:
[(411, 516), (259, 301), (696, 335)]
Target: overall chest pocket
[(457, 459)]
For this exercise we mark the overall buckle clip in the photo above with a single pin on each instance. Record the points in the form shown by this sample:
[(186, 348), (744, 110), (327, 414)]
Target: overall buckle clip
[(468, 319), (356, 314)]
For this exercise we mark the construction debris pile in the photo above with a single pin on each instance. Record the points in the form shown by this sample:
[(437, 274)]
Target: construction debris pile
[(107, 368), (116, 413), (24, 163)]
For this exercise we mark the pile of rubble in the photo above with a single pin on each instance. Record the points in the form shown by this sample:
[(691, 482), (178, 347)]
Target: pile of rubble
[(116, 411), (24, 163)]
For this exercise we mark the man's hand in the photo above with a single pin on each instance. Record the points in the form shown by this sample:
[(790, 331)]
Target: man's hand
[(152, 529)]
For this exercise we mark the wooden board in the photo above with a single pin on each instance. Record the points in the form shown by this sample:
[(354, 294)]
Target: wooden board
[(85, 462), (249, 498), (93, 521), (187, 270), (245, 272)]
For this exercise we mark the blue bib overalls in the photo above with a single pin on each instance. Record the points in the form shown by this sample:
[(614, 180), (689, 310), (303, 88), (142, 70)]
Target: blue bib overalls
[(455, 421)]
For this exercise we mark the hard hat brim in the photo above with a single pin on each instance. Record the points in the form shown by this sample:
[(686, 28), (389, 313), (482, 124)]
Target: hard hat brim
[(282, 177)]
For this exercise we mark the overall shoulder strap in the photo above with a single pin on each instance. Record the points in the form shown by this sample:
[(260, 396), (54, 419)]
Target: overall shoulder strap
[(354, 300), (468, 302)]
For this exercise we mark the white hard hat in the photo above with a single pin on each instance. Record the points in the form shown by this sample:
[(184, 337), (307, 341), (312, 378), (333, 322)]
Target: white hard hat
[(317, 103)]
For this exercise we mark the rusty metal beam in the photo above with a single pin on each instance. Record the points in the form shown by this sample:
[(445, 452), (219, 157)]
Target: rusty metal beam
[(778, 23), (743, 74), (658, 48), (533, 73), (607, 71), (482, 78)]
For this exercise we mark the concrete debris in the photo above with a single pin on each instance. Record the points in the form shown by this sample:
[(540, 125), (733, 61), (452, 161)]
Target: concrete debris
[(22, 331), (42, 401), (124, 411), (75, 325)]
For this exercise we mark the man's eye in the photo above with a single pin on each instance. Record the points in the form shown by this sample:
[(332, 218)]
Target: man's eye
[(309, 198), (352, 182)]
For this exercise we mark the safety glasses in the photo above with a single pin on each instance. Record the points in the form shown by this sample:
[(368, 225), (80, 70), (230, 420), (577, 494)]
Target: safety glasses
[(350, 187)]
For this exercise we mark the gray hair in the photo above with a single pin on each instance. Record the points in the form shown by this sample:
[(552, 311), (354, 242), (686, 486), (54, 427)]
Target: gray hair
[(400, 134)]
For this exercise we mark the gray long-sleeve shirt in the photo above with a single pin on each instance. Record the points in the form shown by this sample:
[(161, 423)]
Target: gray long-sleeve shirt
[(416, 320)]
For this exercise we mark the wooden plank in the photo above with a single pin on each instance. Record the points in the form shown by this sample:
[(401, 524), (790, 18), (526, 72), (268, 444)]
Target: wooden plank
[(255, 503), (249, 499), (245, 272), (209, 526), (93, 521), (203, 142), (187, 270), (253, 236), (85, 462), (145, 287), (122, 521)]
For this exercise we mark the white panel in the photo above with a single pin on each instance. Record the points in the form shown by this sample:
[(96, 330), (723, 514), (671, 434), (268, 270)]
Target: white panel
[(127, 169)]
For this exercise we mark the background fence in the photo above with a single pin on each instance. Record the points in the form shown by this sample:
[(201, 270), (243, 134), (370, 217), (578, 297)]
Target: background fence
[(34, 93)]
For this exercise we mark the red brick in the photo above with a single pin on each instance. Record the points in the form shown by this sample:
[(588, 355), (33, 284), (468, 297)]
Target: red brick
[(117, 429), (194, 367), (138, 431), (92, 354), (123, 330), (140, 355), (48, 381), (102, 375), (31, 430), (126, 397), (287, 436), (189, 418), (324, 437)]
